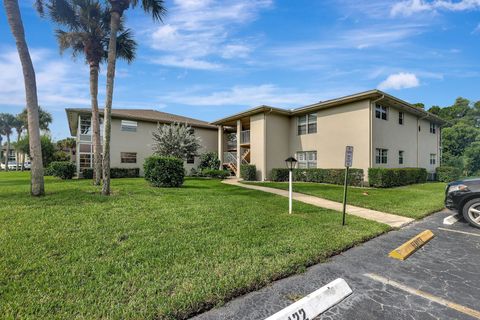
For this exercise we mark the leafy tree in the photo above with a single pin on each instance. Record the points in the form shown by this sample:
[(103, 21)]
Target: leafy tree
[(175, 140), (7, 121), (48, 148), (117, 7), (457, 138), (419, 105), (209, 160), (87, 32), (472, 159), (16, 26)]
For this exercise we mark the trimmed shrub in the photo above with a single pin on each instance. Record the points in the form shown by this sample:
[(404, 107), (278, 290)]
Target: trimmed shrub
[(279, 174), (248, 172), (87, 173), (164, 171), (62, 169), (448, 174), (215, 173), (387, 178), (332, 176), (209, 160), (124, 172)]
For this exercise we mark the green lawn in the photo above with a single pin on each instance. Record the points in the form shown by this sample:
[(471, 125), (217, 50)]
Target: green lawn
[(415, 201), (152, 253)]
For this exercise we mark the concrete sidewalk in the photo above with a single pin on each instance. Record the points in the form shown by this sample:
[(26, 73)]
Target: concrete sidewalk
[(386, 218)]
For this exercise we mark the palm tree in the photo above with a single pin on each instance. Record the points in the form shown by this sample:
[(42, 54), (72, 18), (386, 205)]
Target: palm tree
[(16, 25), (44, 118), (157, 9), (8, 122), (67, 144), (88, 33)]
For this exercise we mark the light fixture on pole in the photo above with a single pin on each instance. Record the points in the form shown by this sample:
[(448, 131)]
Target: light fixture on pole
[(290, 162)]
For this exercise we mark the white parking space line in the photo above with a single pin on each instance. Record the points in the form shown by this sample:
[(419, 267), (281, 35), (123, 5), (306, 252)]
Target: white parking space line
[(451, 219), (428, 296), (458, 231)]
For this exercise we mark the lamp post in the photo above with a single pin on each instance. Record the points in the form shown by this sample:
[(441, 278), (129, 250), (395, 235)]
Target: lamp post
[(290, 162)]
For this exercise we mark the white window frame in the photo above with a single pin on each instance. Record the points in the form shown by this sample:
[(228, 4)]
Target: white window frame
[(307, 159), (401, 118), (129, 126), (433, 128), (433, 159), (381, 112), (381, 156), (310, 123), (401, 157)]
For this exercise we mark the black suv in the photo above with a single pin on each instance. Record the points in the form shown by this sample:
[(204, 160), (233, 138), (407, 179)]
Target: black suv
[(464, 197)]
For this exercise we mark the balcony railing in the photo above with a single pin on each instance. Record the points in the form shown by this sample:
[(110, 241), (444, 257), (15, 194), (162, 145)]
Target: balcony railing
[(231, 157), (245, 137)]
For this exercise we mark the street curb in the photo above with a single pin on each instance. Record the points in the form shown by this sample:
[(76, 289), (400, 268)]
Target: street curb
[(316, 302)]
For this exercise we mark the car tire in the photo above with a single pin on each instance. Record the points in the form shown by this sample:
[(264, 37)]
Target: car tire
[(471, 212)]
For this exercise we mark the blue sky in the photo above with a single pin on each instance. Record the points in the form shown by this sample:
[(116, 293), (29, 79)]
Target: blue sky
[(211, 58)]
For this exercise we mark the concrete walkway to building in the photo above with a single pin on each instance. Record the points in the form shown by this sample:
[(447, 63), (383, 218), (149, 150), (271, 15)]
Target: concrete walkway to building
[(382, 217)]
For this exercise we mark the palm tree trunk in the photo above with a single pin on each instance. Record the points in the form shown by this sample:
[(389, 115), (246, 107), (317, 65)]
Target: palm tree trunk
[(8, 153), (16, 25), (107, 126), (97, 153)]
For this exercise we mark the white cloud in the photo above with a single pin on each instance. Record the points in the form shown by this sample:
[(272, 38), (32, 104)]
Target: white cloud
[(201, 30), (249, 96), (58, 82), (188, 63), (477, 29), (410, 7), (401, 80)]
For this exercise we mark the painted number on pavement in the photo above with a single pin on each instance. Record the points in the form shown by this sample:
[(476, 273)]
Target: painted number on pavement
[(299, 315)]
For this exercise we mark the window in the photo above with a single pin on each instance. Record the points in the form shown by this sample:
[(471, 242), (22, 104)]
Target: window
[(433, 128), (381, 156), (130, 126), (128, 157), (433, 158), (85, 128), (85, 160), (400, 157), (307, 159), (190, 159), (401, 118), (87, 148), (307, 124), (381, 112)]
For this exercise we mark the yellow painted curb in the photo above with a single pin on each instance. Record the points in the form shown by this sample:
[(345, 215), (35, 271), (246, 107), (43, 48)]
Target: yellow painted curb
[(412, 245)]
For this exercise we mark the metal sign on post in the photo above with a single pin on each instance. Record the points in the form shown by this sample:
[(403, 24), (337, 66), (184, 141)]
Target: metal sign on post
[(348, 164)]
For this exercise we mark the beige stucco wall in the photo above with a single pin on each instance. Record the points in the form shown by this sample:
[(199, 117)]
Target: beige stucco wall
[(277, 137), (141, 142), (257, 144), (337, 127), (417, 145)]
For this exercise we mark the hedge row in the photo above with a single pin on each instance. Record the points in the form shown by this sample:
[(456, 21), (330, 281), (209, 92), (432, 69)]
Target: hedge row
[(248, 172), (395, 177), (114, 173), (448, 174), (332, 176)]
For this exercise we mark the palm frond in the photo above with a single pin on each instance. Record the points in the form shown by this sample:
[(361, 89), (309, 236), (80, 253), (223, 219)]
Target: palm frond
[(63, 12), (155, 7), (126, 46)]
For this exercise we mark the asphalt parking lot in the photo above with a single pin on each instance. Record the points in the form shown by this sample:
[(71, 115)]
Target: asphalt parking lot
[(439, 281)]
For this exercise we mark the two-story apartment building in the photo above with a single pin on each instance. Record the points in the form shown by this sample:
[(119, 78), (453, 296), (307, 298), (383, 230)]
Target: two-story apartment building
[(384, 131), (131, 138)]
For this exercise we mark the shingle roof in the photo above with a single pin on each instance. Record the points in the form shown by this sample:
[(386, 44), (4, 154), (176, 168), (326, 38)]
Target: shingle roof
[(147, 115)]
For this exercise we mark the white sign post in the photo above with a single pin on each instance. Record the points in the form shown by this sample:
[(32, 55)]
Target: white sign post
[(348, 164), (290, 190)]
